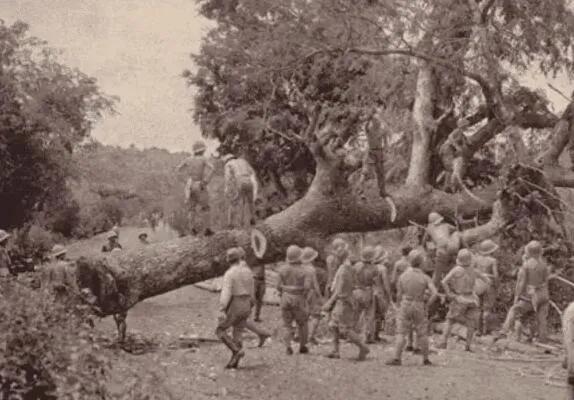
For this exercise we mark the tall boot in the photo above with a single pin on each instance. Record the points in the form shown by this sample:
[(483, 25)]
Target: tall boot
[(356, 340), (231, 345)]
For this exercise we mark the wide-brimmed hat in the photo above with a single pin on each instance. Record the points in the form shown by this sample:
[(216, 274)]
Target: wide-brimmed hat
[(340, 242), (111, 234), (368, 254), (533, 249), (4, 235), (233, 255), (381, 254), (142, 234), (58, 250), (487, 247), (464, 258), (227, 157), (308, 255), (199, 147), (293, 254), (435, 218)]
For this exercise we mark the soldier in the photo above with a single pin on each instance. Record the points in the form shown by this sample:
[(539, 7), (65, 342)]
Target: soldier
[(112, 243), (199, 171), (58, 276), (400, 266), (368, 280), (340, 254), (260, 287), (241, 191), (5, 261), (447, 243), (341, 304), (143, 238), (293, 286), (487, 264), (383, 296), (411, 288), (314, 297), (531, 292), (235, 305), (459, 285)]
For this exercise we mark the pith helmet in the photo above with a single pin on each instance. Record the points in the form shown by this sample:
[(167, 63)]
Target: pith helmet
[(487, 247), (464, 258), (233, 255), (533, 249), (142, 235), (416, 258), (309, 255), (294, 254), (112, 234), (58, 250), (435, 218), (368, 254), (3, 235), (338, 242), (199, 147)]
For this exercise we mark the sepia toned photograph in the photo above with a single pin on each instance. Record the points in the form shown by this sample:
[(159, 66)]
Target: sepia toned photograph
[(286, 199)]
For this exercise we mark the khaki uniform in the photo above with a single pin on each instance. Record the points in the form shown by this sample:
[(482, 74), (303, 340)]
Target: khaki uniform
[(293, 285), (447, 242), (367, 282), (236, 299), (343, 314), (464, 308), (5, 263), (533, 278), (199, 171), (314, 298), (486, 291), (240, 187), (412, 316)]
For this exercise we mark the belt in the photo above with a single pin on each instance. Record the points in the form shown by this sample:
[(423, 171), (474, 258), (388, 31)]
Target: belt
[(409, 299), (292, 289)]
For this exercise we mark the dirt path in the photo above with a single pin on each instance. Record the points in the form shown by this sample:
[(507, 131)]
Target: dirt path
[(267, 373)]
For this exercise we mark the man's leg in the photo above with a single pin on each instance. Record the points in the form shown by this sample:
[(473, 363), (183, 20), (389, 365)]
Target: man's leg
[(472, 318), (370, 321), (238, 339), (355, 338), (288, 318), (446, 334), (259, 296), (221, 333), (336, 343), (120, 320), (313, 326), (542, 321), (259, 331)]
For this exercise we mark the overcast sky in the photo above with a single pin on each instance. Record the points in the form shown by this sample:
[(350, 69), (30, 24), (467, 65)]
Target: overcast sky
[(137, 50)]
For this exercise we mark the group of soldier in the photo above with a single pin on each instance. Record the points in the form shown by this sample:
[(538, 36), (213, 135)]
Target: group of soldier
[(356, 295)]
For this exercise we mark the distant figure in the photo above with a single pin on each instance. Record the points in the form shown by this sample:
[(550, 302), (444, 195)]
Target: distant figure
[(235, 305), (241, 191), (112, 244), (143, 238), (199, 171), (58, 275), (116, 229), (5, 261)]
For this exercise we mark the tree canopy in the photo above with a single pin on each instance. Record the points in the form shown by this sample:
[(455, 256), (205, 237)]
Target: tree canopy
[(46, 109)]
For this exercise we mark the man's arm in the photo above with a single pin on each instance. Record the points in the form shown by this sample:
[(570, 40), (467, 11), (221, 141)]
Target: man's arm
[(336, 290), (208, 172), (433, 290), (446, 283), (226, 291), (520, 283)]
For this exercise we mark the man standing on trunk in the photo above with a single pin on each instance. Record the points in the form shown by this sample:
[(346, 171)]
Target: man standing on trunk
[(412, 316), (241, 191), (199, 171), (235, 305)]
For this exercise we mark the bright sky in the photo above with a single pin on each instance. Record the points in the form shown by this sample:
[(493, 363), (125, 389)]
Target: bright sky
[(137, 50)]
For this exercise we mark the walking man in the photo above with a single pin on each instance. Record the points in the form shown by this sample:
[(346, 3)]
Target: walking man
[(57, 275), (294, 285), (339, 255), (241, 191), (488, 266), (342, 306), (314, 297), (531, 292), (412, 316), (459, 285), (112, 244), (199, 171), (383, 296), (235, 305)]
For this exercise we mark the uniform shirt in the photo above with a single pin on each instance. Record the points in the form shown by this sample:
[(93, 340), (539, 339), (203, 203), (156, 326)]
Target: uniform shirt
[(366, 275), (237, 281), (294, 277), (198, 168), (5, 262), (461, 280), (486, 264), (413, 284), (58, 274), (400, 266), (532, 276), (312, 276), (344, 282)]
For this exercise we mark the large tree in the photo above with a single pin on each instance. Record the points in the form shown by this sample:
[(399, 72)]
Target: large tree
[(46, 109), (361, 94)]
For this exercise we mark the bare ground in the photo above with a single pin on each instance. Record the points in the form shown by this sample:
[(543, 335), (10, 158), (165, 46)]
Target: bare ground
[(268, 373)]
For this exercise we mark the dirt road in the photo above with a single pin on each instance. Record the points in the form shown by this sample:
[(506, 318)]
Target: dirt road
[(267, 373)]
